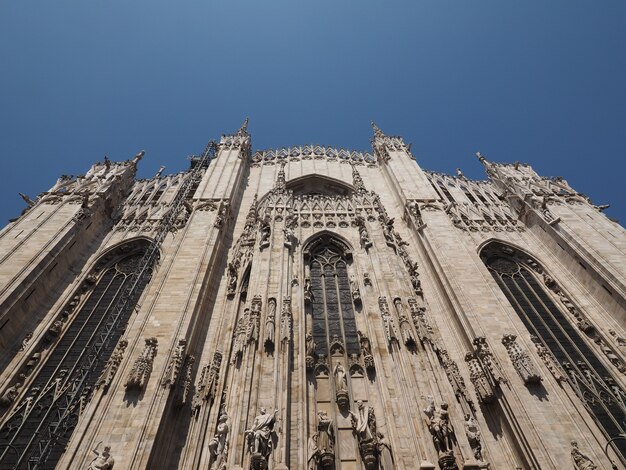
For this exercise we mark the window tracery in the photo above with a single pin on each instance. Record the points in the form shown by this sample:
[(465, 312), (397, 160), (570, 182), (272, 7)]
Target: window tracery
[(331, 305), (557, 337)]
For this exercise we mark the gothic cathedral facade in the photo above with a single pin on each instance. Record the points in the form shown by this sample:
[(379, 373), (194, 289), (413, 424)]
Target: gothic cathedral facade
[(312, 308)]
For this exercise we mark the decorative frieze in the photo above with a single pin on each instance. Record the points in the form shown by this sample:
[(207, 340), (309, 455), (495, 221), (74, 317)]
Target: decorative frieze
[(142, 368), (311, 152)]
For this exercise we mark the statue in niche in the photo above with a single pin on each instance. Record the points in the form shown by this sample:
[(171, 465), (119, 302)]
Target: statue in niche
[(341, 383), (581, 461), (385, 457), (266, 231), (363, 421), (354, 288), (232, 278), (258, 438), (473, 436), (308, 294), (310, 345), (103, 460), (270, 322), (218, 446), (364, 426), (325, 440)]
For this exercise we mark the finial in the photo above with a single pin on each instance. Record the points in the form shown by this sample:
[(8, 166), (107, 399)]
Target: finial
[(357, 181), (27, 200), (244, 127), (481, 158), (459, 173), (377, 131), (158, 173), (138, 157)]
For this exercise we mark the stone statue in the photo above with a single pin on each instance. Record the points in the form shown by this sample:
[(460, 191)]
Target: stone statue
[(308, 294), (363, 421), (310, 345), (325, 439), (439, 425), (364, 426), (259, 435), (266, 231), (473, 436), (312, 453), (385, 457), (218, 446), (232, 278), (103, 460), (354, 288), (581, 461), (10, 395), (621, 342), (341, 383)]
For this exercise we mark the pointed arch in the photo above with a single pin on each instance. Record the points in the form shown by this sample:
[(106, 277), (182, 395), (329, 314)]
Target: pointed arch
[(540, 303), (327, 257), (73, 354)]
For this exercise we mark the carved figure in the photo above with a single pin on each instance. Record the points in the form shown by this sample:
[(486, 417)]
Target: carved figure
[(548, 359), (363, 421), (103, 460), (218, 446), (621, 342), (259, 435), (312, 453), (341, 383), (473, 436), (310, 345), (385, 457), (232, 278), (581, 461), (438, 422), (308, 294), (325, 439), (266, 231), (10, 395), (354, 288), (270, 322)]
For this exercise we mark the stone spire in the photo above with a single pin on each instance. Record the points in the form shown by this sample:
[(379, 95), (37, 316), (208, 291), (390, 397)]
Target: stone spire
[(243, 130), (281, 182), (377, 132), (357, 181)]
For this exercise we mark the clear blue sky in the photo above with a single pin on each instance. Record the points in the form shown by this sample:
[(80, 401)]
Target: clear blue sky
[(542, 82)]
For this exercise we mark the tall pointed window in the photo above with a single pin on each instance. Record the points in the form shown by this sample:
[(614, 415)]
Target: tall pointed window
[(591, 379), (332, 310), (31, 435)]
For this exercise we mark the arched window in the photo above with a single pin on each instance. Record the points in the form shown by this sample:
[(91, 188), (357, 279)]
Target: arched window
[(331, 306), (520, 278), (75, 352)]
